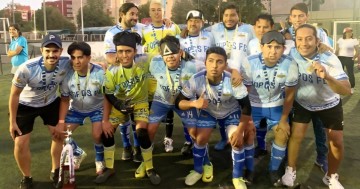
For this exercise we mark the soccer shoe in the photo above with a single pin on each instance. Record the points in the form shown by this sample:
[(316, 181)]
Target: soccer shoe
[(322, 164), (54, 177), (289, 177), (26, 183), (221, 145), (106, 174), (274, 178), (168, 144), (186, 150), (153, 176), (78, 159), (334, 182), (208, 173), (127, 153), (140, 171), (192, 178), (239, 183), (137, 157), (100, 167), (249, 177), (259, 152)]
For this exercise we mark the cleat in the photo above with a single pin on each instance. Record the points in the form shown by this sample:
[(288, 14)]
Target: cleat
[(186, 150), (239, 183), (168, 144), (207, 176), (127, 153), (140, 171), (322, 164), (221, 145), (289, 177), (107, 173), (334, 182), (54, 177), (153, 176), (78, 159), (100, 167), (275, 179), (137, 157), (26, 183), (192, 178)]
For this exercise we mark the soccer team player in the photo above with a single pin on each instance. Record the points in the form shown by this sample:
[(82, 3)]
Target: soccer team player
[(235, 75)]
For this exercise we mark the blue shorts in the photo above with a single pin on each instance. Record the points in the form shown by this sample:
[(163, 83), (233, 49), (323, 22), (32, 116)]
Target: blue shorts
[(205, 120), (159, 111), (78, 118), (272, 116)]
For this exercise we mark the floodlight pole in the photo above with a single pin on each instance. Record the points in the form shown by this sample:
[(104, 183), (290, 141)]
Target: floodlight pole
[(44, 9)]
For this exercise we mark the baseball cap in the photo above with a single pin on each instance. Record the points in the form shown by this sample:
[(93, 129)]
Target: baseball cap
[(194, 14), (51, 38), (270, 36), (347, 29)]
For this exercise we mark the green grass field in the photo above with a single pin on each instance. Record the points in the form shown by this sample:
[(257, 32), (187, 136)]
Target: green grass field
[(171, 166)]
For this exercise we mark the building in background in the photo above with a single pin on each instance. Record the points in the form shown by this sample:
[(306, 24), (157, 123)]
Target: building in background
[(24, 10)]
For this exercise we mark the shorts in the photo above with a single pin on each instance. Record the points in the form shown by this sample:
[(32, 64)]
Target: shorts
[(26, 115), (159, 111), (205, 120), (332, 118), (78, 118), (141, 113), (271, 114)]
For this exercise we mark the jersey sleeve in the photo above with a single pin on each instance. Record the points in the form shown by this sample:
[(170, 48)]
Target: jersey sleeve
[(21, 77), (188, 89), (64, 87), (109, 81), (109, 46), (293, 74), (246, 72), (22, 42)]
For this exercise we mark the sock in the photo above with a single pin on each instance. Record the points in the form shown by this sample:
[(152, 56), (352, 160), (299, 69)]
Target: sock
[(249, 157), (109, 156), (147, 156), (187, 135), (125, 134), (77, 151), (169, 127), (223, 133), (260, 136), (238, 158), (198, 154), (136, 140), (277, 155), (99, 152), (207, 156)]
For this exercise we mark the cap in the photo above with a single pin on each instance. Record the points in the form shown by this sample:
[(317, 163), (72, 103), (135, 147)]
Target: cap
[(270, 36), (347, 29), (194, 14), (51, 38)]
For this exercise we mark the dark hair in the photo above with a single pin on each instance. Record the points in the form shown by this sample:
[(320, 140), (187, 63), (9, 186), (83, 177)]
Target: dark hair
[(313, 28), (170, 39), (125, 8), (344, 35), (127, 38), (266, 17), (216, 50), (17, 27), (231, 6), (301, 7), (81, 46)]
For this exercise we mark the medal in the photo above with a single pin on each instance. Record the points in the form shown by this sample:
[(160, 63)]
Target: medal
[(43, 78)]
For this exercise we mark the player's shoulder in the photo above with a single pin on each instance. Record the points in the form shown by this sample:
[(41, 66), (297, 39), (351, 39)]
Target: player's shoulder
[(31, 63), (253, 57), (199, 74)]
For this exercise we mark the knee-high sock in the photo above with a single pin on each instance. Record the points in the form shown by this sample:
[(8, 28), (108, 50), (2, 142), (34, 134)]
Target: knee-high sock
[(125, 134), (277, 155), (238, 157), (109, 156), (136, 140), (223, 133), (206, 156), (249, 157), (187, 135), (147, 156), (198, 154), (77, 151), (260, 137), (169, 126), (99, 152)]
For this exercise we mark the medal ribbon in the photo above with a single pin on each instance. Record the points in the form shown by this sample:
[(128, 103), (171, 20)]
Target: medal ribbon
[(211, 93), (173, 84)]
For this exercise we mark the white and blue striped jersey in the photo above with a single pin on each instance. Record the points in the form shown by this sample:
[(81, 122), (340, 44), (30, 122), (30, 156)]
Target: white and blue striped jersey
[(163, 91), (254, 46), (268, 83), (313, 92), (197, 85), (29, 77), (238, 43), (85, 92), (109, 36), (320, 34), (197, 46)]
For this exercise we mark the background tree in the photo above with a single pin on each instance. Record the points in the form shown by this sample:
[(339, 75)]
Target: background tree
[(144, 11), (55, 20), (180, 9), (314, 5), (94, 15)]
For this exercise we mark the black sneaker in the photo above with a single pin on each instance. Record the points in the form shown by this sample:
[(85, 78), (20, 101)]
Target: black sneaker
[(186, 150), (26, 183), (137, 157), (106, 174), (259, 152), (54, 177), (127, 153), (153, 176), (275, 179), (249, 177)]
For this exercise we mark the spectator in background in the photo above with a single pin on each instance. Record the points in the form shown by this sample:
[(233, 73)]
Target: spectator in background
[(331, 41), (345, 51), (18, 48)]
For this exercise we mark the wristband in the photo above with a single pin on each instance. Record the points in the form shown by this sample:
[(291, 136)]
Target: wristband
[(61, 121)]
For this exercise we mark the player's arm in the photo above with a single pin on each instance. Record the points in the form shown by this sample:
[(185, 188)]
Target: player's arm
[(184, 103), (17, 51), (287, 106), (13, 107), (64, 107), (110, 58)]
